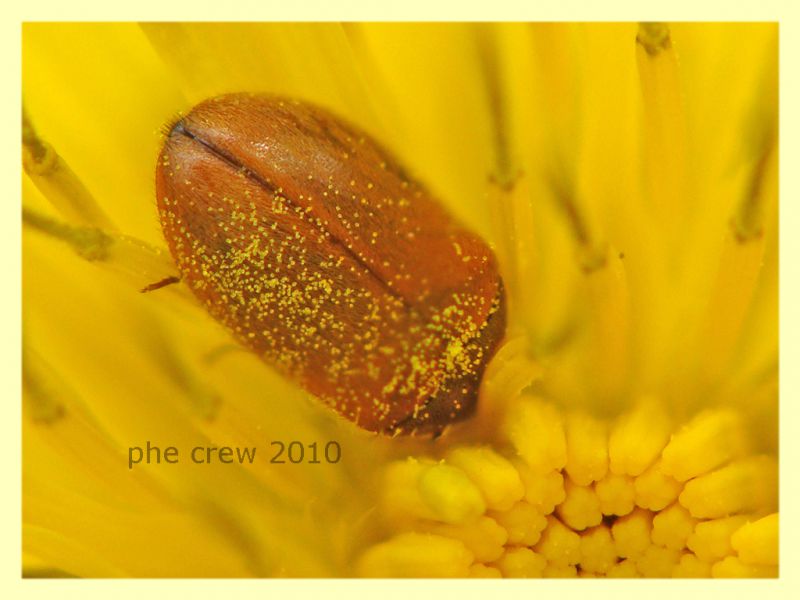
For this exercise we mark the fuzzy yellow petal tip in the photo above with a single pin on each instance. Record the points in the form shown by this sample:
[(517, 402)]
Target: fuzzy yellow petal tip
[(616, 494), (637, 437), (536, 430), (523, 523), (691, 567), (483, 537), (450, 494), (654, 490), (743, 486), (711, 439), (672, 527), (711, 540), (733, 568), (492, 474), (587, 448), (521, 563), (757, 543), (581, 507), (416, 555)]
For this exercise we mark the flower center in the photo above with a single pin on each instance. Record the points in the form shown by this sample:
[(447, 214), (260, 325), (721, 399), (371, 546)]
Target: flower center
[(571, 495)]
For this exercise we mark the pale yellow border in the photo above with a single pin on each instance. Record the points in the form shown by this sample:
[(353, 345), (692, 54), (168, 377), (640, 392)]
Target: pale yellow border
[(785, 11)]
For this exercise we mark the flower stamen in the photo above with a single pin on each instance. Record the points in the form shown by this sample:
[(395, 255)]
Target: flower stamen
[(57, 182), (139, 263), (648, 505)]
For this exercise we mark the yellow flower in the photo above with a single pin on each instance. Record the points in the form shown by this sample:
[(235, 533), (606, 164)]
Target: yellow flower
[(626, 176)]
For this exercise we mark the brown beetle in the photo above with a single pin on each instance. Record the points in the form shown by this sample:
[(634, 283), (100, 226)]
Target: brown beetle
[(308, 241)]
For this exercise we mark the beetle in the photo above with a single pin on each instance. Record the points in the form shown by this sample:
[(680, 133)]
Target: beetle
[(311, 244)]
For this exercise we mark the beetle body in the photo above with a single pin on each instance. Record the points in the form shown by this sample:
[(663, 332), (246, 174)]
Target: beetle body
[(307, 240)]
